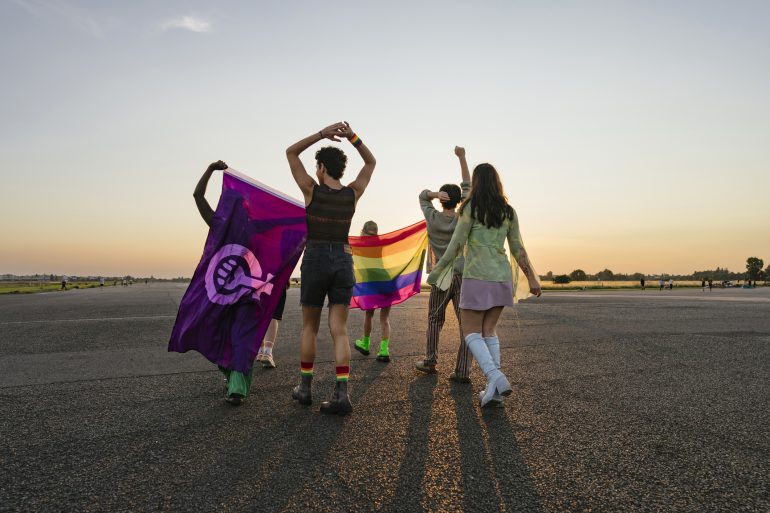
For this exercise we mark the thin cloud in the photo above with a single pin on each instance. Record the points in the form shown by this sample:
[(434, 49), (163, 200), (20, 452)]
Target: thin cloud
[(63, 11), (190, 23)]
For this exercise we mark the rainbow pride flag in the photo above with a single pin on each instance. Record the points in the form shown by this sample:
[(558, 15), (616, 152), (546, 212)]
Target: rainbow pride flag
[(388, 267)]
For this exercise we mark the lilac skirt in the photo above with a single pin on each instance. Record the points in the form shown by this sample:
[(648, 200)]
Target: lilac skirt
[(483, 295)]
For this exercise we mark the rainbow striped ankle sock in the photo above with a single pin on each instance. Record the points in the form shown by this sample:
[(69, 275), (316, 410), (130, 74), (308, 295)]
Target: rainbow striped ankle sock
[(343, 372), (306, 371)]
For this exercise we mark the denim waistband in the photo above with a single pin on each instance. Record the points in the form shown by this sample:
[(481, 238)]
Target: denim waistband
[(331, 246)]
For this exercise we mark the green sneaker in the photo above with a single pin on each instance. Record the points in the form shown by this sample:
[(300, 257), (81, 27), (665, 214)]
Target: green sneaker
[(362, 346), (383, 355)]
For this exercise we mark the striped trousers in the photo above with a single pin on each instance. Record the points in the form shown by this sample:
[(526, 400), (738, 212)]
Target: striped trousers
[(439, 300)]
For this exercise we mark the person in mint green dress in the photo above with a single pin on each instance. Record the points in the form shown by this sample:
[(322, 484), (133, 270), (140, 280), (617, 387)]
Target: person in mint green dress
[(362, 344), (490, 279)]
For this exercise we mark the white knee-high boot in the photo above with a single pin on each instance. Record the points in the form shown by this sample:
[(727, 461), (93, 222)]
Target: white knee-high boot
[(496, 380), (493, 345)]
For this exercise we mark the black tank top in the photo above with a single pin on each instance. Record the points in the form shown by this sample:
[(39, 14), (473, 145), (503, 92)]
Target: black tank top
[(330, 213)]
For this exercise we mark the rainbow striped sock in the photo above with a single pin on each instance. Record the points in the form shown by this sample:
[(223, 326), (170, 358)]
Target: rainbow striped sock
[(306, 370), (343, 372)]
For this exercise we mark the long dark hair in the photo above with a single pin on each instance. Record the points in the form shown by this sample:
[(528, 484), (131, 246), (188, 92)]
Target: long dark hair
[(489, 204)]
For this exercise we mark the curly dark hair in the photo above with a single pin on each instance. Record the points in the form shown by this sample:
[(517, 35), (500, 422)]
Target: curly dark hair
[(333, 159), (455, 195), (489, 204)]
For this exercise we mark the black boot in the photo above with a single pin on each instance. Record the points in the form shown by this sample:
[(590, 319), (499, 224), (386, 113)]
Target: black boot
[(302, 392), (339, 404), (234, 399)]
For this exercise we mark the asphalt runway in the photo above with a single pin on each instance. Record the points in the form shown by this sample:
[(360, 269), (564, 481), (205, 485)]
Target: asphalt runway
[(623, 401)]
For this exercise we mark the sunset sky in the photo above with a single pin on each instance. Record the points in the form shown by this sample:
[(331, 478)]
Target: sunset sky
[(629, 135)]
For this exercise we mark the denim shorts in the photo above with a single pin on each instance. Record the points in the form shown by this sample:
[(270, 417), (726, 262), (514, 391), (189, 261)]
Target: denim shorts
[(327, 270)]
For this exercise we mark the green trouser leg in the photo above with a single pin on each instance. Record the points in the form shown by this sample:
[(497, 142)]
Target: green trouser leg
[(237, 382)]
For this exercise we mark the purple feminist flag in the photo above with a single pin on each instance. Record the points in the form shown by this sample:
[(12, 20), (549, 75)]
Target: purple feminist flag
[(256, 237)]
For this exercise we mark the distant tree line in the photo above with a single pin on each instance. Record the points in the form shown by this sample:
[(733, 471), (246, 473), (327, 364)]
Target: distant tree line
[(755, 271)]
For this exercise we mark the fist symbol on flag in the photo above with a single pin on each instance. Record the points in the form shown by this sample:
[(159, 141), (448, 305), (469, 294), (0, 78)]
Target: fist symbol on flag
[(234, 272)]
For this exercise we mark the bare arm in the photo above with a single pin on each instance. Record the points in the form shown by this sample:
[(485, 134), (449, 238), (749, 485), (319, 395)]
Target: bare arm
[(519, 253), (466, 174), (426, 202), (303, 179), (529, 272), (207, 213), (365, 175)]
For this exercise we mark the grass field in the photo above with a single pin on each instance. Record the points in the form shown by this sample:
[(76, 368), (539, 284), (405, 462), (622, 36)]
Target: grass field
[(603, 285), (594, 285), (28, 287)]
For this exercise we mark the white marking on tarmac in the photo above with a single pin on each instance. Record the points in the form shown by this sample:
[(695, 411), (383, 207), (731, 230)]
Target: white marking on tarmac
[(662, 296), (93, 319)]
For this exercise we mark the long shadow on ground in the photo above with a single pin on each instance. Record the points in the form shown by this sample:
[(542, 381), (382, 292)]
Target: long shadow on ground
[(495, 475)]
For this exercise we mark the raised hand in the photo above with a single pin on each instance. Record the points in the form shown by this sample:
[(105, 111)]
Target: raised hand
[(347, 131), (460, 151), (218, 166), (333, 132), (442, 196)]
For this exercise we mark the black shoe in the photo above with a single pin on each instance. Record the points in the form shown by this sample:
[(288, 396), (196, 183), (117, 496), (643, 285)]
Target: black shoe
[(339, 404), (427, 368), (302, 394), (383, 358), (235, 399), (459, 379)]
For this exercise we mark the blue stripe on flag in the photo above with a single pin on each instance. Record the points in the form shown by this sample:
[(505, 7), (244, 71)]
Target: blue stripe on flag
[(386, 287)]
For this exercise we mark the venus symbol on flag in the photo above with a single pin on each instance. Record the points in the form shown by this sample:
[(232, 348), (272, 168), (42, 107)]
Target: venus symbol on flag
[(227, 279)]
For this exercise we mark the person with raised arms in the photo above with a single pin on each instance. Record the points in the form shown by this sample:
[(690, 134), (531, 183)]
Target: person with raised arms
[(327, 265), (486, 221), (441, 225)]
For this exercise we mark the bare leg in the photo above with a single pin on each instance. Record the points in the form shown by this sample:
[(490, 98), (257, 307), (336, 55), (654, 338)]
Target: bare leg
[(362, 345), (311, 321), (385, 323), (368, 315), (473, 321), (383, 355), (489, 324), (338, 327), (272, 331), (268, 362)]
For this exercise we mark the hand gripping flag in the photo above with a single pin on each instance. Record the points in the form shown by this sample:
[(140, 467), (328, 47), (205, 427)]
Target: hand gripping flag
[(388, 267), (256, 237)]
